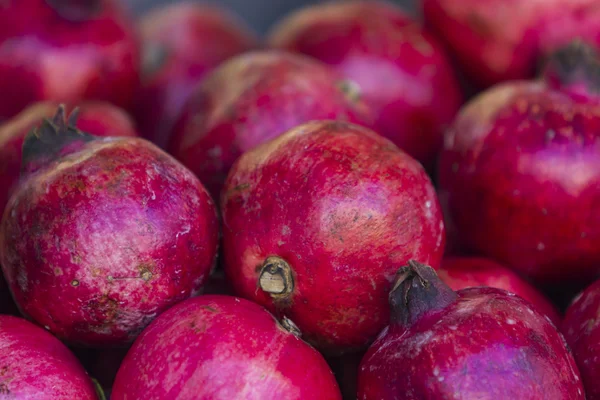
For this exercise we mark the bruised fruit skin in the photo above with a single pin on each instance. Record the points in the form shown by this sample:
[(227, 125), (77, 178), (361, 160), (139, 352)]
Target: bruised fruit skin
[(402, 71), (36, 365), (520, 176), (499, 40), (465, 272), (103, 234), (96, 118), (581, 329), (182, 42), (478, 343), (251, 99), (221, 347), (316, 223), (66, 51)]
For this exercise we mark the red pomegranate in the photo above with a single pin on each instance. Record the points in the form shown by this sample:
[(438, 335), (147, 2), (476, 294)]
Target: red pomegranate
[(251, 99), (499, 40), (402, 72), (465, 272), (478, 343), (103, 234), (36, 365), (221, 347), (67, 51), (582, 331), (318, 221), (96, 118), (520, 173), (183, 41)]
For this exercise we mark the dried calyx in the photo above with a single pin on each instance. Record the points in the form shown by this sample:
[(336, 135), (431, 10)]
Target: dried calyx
[(276, 278), (576, 67), (76, 10)]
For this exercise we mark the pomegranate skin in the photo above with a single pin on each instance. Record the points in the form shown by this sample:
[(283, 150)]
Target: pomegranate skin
[(66, 51), (580, 328), (331, 209), (500, 40), (96, 118), (402, 71), (89, 243), (485, 344), (465, 272), (183, 41), (36, 365), (251, 99), (219, 347)]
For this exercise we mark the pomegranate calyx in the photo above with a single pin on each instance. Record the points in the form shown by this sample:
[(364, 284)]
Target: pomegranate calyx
[(76, 10), (276, 278), (290, 327), (575, 68)]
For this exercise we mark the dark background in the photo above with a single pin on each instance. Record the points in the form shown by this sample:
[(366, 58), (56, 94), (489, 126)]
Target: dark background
[(259, 14)]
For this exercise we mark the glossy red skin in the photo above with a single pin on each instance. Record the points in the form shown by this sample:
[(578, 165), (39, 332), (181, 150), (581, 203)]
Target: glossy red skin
[(183, 42), (97, 118), (520, 178), (402, 72), (220, 347), (489, 344), (251, 99), (346, 209), (90, 246), (44, 56), (500, 40), (465, 272), (581, 329), (36, 365)]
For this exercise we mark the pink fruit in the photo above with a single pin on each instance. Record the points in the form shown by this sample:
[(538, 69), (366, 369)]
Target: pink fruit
[(465, 272), (183, 42), (318, 221), (221, 347), (36, 365), (478, 343), (103, 234), (401, 71), (251, 99), (96, 118), (520, 174), (66, 51), (499, 40), (581, 329)]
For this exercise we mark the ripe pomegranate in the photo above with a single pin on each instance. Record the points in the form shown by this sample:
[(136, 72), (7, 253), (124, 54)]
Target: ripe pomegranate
[(581, 329), (402, 72), (465, 272), (251, 99), (478, 343), (499, 40), (96, 118), (103, 234), (66, 51), (221, 347), (36, 365), (318, 221), (182, 41), (520, 173)]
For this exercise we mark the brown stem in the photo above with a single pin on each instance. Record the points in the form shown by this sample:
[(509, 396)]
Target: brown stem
[(290, 327), (76, 10), (418, 291), (276, 278)]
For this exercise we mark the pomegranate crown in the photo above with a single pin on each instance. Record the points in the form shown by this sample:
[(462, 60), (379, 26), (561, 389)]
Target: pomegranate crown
[(76, 10), (575, 66)]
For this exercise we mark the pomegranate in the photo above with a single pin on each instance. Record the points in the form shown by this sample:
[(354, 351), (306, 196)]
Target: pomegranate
[(221, 347), (465, 272), (66, 51), (402, 72), (252, 98), (103, 234), (478, 343), (581, 329), (36, 365), (96, 118), (520, 173), (499, 40), (182, 41), (318, 221)]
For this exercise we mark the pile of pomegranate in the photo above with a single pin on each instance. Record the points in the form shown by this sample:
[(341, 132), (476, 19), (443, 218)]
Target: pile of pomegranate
[(360, 205)]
